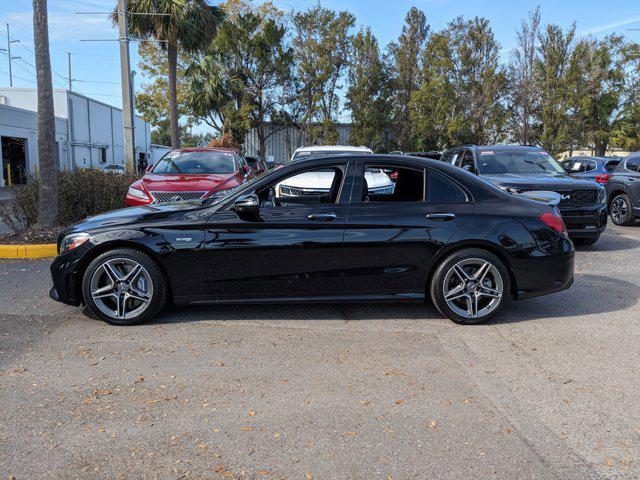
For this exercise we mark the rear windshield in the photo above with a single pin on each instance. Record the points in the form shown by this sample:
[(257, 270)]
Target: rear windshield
[(197, 162), (495, 162), (321, 153)]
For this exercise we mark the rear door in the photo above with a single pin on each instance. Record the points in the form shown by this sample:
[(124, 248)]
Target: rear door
[(632, 179), (390, 239)]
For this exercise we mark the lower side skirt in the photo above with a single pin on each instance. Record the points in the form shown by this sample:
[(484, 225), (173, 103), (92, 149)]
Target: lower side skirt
[(397, 298)]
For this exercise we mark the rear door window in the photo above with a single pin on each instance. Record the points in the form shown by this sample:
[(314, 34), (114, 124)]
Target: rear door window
[(442, 189)]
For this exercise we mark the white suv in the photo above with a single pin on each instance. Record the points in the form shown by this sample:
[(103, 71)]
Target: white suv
[(319, 182)]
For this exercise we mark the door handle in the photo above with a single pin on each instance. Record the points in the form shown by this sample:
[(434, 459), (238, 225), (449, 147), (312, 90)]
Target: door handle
[(441, 217), (631, 179), (322, 217)]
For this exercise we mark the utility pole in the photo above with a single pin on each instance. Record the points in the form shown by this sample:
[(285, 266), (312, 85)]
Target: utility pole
[(127, 92), (8, 50), (69, 78)]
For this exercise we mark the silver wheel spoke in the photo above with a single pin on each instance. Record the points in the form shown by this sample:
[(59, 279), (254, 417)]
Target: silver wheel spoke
[(482, 272), (133, 274), (121, 306), (457, 292), (461, 273), (111, 272), (138, 295), (489, 292)]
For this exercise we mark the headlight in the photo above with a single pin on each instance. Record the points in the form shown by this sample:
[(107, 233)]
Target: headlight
[(134, 192), (602, 196), (73, 241)]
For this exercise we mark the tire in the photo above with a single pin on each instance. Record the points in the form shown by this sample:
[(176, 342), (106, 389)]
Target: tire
[(621, 210), (124, 294), (446, 279), (585, 241)]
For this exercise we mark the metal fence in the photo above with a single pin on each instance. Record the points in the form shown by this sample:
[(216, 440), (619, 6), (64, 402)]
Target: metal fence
[(283, 142)]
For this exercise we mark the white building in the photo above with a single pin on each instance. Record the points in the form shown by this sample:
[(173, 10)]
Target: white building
[(89, 133)]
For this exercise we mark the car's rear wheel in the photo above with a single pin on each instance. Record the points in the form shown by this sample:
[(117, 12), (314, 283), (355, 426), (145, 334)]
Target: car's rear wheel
[(470, 286), (621, 210), (124, 287)]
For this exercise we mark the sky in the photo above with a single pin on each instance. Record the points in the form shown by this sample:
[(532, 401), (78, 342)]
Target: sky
[(95, 65)]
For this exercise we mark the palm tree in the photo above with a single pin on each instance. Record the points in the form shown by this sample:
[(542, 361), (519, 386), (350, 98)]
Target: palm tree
[(48, 193), (189, 25)]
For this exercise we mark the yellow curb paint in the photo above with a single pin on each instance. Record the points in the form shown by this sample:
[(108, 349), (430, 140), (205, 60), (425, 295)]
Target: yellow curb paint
[(28, 251)]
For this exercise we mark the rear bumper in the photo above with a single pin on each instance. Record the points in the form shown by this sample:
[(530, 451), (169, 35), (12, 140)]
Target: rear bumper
[(585, 223), (540, 275)]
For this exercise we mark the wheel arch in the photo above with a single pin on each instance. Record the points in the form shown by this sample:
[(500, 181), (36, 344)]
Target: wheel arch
[(479, 244), (112, 245)]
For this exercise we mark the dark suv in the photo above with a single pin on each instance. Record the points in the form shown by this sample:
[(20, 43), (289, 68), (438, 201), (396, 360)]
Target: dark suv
[(520, 169), (623, 191)]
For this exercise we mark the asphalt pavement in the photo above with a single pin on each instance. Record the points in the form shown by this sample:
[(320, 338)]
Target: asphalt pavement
[(549, 390)]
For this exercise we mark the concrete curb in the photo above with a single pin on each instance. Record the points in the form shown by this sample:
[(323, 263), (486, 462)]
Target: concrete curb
[(43, 250)]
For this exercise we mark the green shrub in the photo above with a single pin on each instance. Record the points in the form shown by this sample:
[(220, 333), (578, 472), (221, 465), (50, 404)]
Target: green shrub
[(81, 193)]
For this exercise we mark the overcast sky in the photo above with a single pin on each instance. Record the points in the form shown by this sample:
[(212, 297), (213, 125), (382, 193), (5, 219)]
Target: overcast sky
[(94, 62)]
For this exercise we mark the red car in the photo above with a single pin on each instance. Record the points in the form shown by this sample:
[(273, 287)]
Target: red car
[(189, 174)]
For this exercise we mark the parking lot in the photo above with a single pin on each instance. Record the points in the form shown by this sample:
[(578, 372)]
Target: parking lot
[(551, 389)]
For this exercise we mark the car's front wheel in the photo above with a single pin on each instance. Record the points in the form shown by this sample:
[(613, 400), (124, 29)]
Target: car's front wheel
[(124, 287), (621, 210), (470, 286)]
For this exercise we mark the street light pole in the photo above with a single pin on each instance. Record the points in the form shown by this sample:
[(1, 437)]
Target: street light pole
[(127, 92)]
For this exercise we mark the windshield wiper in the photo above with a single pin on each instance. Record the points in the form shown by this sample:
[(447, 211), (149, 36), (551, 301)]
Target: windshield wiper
[(536, 164)]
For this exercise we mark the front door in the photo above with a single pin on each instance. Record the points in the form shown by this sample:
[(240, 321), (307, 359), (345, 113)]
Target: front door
[(292, 247)]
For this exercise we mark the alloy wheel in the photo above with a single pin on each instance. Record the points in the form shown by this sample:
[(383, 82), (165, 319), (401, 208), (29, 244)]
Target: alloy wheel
[(473, 288), (619, 210), (121, 288)]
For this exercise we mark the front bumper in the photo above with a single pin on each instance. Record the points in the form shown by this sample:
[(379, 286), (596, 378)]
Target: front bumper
[(585, 222), (65, 274)]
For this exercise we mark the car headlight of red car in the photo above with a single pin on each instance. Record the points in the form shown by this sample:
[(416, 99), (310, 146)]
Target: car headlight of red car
[(134, 192)]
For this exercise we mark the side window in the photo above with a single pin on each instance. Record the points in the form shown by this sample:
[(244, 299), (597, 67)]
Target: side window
[(313, 187), (633, 164), (443, 190), (466, 162), (578, 166), (590, 165), (391, 183), (446, 157)]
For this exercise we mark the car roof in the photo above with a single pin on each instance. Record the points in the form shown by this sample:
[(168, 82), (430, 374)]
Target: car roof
[(528, 148), (205, 149), (333, 148)]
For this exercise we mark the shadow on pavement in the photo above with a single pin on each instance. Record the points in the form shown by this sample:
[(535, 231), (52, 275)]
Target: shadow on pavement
[(612, 242)]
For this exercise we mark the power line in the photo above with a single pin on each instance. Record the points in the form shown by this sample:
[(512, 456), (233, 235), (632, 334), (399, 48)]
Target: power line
[(21, 78)]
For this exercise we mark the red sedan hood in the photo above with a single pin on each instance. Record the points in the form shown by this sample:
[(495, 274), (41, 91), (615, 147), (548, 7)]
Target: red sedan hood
[(181, 183)]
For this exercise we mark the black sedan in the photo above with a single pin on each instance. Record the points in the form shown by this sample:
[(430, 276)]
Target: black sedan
[(440, 233)]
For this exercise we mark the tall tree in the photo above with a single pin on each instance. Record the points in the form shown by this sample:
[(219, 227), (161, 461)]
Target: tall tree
[(551, 69), (524, 97), (596, 81), (407, 54), (48, 194), (321, 53), (463, 86), (253, 47), (626, 133), (369, 93), (187, 25)]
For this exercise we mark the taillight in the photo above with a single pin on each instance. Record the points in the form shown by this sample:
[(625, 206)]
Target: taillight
[(602, 178), (554, 221)]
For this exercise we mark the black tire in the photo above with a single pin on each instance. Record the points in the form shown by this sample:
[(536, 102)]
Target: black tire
[(157, 278), (436, 285), (586, 241), (625, 219)]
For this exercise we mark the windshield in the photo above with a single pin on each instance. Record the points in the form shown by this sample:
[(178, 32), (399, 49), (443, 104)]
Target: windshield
[(496, 162), (321, 153), (205, 162)]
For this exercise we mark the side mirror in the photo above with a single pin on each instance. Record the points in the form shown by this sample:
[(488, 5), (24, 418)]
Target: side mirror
[(246, 169), (247, 204)]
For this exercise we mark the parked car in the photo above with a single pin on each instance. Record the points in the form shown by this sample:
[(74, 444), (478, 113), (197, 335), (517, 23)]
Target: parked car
[(520, 169), (114, 168), (434, 154), (324, 150), (430, 238), (623, 191), (597, 169), (255, 162), (190, 174), (319, 182)]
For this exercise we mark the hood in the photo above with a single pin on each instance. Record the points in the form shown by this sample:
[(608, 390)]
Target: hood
[(539, 181), (180, 182), (323, 179), (132, 216)]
